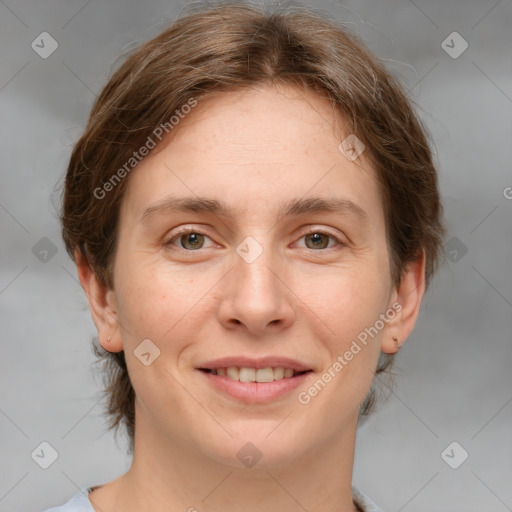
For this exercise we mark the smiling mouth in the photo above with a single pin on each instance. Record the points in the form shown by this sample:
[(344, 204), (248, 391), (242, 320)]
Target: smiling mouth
[(257, 375)]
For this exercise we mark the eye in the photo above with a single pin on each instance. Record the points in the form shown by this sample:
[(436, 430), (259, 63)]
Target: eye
[(189, 240), (320, 240)]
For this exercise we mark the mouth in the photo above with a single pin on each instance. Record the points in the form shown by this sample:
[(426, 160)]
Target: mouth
[(254, 380), (260, 375)]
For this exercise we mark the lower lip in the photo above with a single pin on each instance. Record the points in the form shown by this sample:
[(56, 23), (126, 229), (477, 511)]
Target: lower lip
[(255, 392)]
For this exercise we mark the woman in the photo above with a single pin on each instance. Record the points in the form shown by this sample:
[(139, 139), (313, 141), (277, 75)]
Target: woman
[(254, 215)]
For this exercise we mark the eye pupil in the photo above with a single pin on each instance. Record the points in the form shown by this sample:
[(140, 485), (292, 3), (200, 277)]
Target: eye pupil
[(319, 240), (192, 240)]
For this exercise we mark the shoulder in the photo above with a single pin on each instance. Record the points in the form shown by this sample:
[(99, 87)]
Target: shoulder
[(363, 502), (78, 503)]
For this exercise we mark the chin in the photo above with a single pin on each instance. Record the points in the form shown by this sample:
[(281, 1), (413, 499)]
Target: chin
[(258, 445)]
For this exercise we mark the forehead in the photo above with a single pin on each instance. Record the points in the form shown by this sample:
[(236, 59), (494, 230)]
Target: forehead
[(255, 149)]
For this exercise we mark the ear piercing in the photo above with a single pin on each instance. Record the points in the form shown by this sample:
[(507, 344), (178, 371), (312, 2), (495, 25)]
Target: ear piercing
[(397, 343), (108, 339)]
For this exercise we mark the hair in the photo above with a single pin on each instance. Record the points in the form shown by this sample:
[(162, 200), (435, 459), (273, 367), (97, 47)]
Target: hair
[(221, 48)]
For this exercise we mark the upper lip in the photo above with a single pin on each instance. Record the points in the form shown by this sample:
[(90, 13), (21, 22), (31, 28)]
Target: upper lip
[(249, 362)]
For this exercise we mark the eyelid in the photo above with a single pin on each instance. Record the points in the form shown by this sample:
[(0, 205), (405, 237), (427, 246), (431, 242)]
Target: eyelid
[(323, 231), (187, 230)]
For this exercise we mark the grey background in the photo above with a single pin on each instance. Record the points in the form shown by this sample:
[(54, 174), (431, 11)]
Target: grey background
[(454, 379)]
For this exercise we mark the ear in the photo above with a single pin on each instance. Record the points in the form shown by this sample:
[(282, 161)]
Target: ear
[(102, 304), (407, 301)]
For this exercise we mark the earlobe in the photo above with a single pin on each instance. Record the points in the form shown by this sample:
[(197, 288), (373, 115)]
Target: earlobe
[(408, 295), (102, 305)]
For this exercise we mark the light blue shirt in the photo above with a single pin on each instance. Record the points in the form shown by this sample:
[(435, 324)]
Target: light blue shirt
[(80, 502)]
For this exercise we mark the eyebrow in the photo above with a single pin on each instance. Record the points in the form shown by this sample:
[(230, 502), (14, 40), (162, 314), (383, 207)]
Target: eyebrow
[(294, 207)]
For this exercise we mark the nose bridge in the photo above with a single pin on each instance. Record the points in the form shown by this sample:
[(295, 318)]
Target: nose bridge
[(257, 297), (256, 282)]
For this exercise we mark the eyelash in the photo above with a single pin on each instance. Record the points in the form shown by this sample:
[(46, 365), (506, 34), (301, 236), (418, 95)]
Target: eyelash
[(178, 235)]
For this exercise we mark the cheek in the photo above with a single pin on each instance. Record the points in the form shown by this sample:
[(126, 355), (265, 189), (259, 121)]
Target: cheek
[(148, 299), (156, 299), (350, 301), (351, 349)]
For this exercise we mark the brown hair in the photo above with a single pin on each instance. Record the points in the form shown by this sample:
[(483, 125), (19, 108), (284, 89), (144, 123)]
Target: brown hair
[(221, 48)]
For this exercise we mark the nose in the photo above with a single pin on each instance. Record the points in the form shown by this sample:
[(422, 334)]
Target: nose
[(256, 297)]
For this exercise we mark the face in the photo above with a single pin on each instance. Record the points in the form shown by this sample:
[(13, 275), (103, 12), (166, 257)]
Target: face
[(252, 241)]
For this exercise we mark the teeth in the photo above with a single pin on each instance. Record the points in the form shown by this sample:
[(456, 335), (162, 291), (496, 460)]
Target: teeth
[(264, 375), (233, 373), (245, 374), (278, 373)]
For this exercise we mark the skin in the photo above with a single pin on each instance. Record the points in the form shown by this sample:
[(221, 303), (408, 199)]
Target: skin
[(253, 149)]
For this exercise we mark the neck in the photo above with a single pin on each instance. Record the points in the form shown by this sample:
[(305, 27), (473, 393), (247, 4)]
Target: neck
[(174, 475)]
